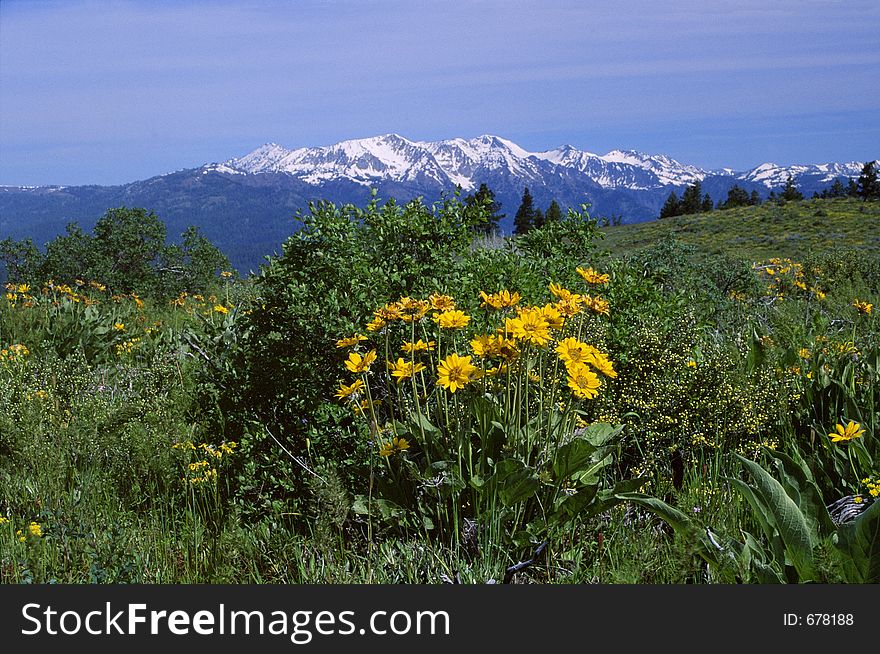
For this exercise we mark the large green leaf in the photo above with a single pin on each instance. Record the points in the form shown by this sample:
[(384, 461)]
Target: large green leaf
[(800, 487), (574, 456), (672, 516), (765, 519), (792, 526), (569, 506), (755, 558), (419, 422), (600, 433), (514, 481), (859, 541), (589, 476), (609, 497), (759, 510)]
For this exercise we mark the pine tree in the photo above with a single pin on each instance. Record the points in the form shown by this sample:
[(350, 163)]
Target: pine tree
[(868, 184), (672, 206), (707, 204), (852, 188), (554, 213), (692, 199), (736, 197), (539, 220), (837, 189), (525, 215), (484, 198), (754, 199), (790, 192)]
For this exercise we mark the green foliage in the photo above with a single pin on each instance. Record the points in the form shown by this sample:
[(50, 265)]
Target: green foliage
[(736, 197), (484, 208), (868, 184), (799, 542), (342, 263), (524, 220), (672, 206), (790, 192), (794, 230), (692, 198), (114, 406), (550, 250), (126, 252)]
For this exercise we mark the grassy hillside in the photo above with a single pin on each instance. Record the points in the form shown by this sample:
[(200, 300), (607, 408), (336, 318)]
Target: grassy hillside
[(387, 404), (769, 230)]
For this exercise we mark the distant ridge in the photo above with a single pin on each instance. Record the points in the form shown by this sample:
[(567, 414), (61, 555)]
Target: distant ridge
[(247, 204)]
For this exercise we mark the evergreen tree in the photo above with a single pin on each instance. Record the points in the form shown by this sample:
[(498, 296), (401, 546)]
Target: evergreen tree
[(484, 200), (539, 220), (790, 192), (868, 185), (692, 198), (837, 189), (525, 215), (852, 188), (554, 213), (754, 199), (707, 204), (672, 206), (736, 197)]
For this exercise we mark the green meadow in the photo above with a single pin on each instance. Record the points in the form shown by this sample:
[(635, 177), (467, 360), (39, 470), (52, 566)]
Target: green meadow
[(397, 399)]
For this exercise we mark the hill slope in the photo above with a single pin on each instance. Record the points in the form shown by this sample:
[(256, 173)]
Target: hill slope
[(769, 230)]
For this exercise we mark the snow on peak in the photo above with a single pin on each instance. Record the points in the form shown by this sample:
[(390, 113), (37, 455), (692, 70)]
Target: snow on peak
[(467, 162)]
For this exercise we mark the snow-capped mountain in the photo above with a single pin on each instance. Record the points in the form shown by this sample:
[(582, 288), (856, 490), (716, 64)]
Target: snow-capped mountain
[(771, 175), (247, 204), (468, 162), (461, 162)]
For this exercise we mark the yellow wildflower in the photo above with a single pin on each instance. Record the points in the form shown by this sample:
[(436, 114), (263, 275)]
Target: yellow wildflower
[(591, 276), (530, 326), (863, 307), (583, 382), (572, 351), (412, 310), (455, 372), (352, 391), (564, 293), (403, 369), (418, 346), (453, 319), (351, 340), (376, 324), (499, 300), (599, 360), (553, 316), (852, 431), (358, 364), (597, 304), (393, 446), (441, 302)]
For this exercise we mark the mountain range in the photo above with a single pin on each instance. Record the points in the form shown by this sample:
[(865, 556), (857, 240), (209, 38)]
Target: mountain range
[(246, 205)]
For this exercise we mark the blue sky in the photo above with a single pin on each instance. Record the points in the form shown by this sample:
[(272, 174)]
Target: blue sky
[(111, 92)]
